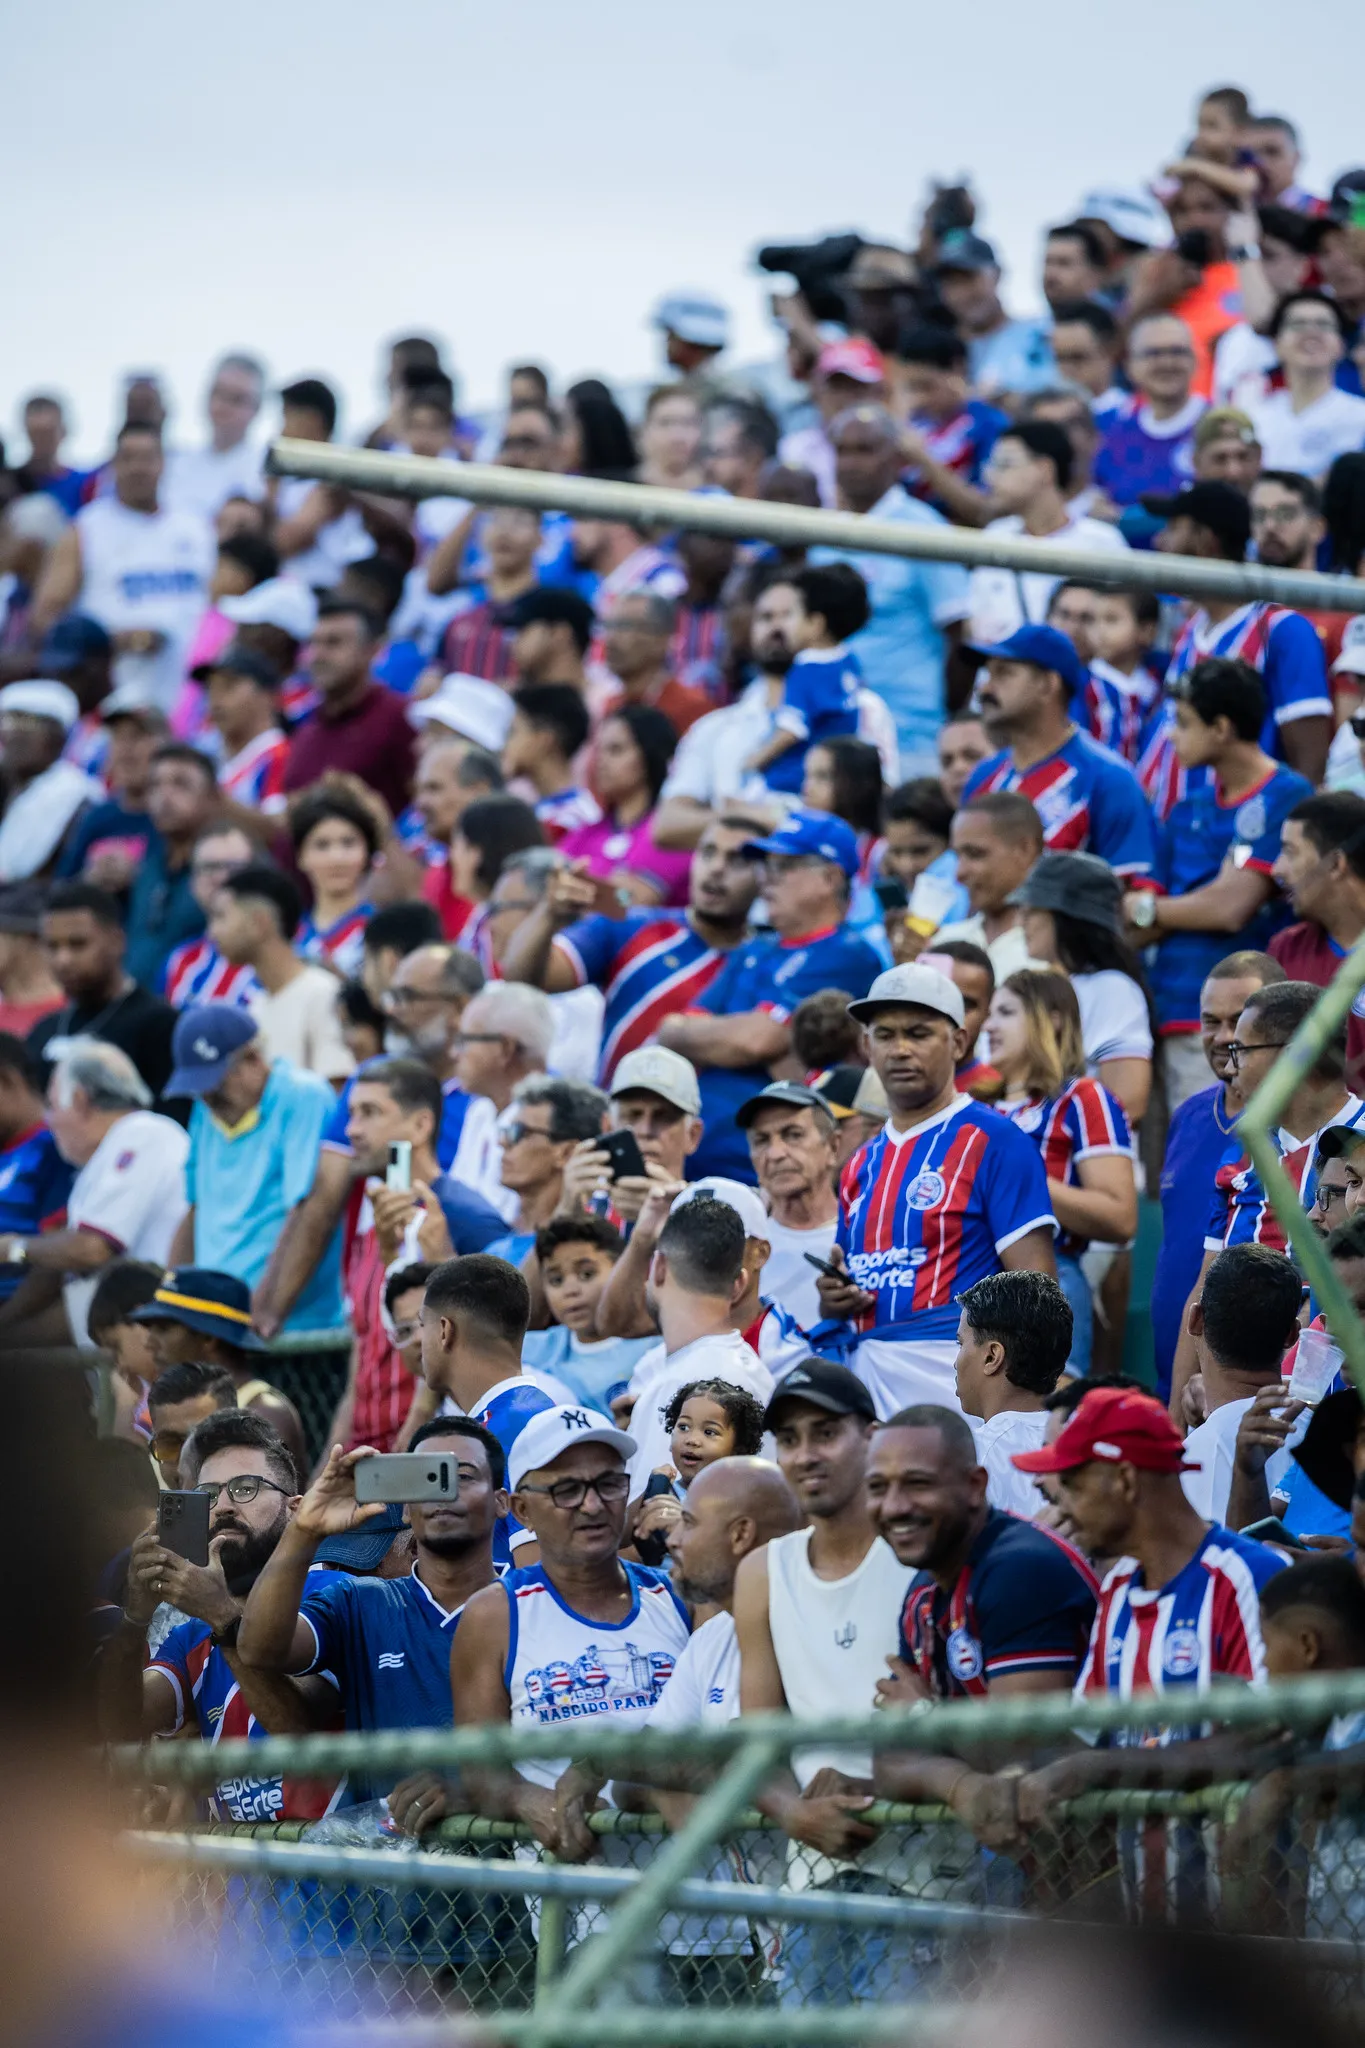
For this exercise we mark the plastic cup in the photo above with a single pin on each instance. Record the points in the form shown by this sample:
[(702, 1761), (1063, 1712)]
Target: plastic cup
[(1316, 1364)]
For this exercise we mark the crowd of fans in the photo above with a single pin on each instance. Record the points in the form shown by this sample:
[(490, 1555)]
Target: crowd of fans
[(695, 1021)]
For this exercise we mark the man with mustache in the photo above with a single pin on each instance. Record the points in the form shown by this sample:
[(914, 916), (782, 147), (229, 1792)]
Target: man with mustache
[(198, 1671)]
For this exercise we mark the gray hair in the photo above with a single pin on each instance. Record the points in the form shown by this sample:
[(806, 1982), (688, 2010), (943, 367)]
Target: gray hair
[(577, 1109), (250, 366), (865, 413), (105, 1076), (520, 1012), (661, 613)]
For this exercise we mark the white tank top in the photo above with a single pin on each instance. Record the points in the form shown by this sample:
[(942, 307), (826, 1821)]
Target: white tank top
[(565, 1667), (145, 571), (832, 1638)]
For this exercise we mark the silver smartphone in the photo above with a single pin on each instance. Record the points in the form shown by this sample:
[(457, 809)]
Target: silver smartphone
[(408, 1475), (399, 1172)]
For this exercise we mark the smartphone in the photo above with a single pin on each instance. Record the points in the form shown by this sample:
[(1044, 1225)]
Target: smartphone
[(182, 1525), (831, 1272), (408, 1475), (1271, 1530), (891, 894), (608, 900), (623, 1149), (399, 1172)]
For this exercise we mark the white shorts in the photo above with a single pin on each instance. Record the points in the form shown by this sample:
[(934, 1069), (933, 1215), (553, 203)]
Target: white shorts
[(904, 1374)]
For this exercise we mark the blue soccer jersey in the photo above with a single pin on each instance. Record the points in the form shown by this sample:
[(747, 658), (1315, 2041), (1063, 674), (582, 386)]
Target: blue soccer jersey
[(35, 1181), (1088, 800), (648, 964), (1024, 1601), (387, 1643), (505, 1411), (1200, 1134), (926, 1213), (1140, 456), (774, 975), (1284, 649), (819, 702), (1202, 833), (455, 1103)]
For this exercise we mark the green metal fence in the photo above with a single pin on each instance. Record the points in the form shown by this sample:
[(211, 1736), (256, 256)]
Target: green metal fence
[(725, 1932)]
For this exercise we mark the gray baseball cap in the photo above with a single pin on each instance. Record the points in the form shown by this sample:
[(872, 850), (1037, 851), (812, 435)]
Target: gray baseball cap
[(922, 988)]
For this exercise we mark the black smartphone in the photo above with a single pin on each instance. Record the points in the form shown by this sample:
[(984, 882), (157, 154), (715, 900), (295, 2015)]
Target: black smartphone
[(891, 894), (824, 1266), (182, 1525), (1196, 248), (1271, 1530), (623, 1150)]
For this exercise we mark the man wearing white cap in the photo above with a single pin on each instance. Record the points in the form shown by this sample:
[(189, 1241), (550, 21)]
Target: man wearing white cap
[(695, 328), (942, 1196), (466, 708), (580, 1634), (46, 794), (655, 1096), (281, 601)]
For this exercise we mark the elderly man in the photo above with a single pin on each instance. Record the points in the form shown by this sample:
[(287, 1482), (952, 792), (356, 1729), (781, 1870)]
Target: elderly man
[(505, 1035), (638, 629), (793, 1141), (127, 1199), (45, 794), (254, 1135), (948, 1192), (1148, 441), (546, 1120), (917, 607), (740, 1026)]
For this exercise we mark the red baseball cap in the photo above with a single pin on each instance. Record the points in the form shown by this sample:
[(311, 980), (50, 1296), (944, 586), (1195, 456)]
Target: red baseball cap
[(853, 358), (1114, 1427)]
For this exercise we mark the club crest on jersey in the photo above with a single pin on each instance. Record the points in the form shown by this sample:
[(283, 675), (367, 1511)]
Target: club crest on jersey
[(1180, 1656), (1250, 821), (926, 1191), (963, 1653)]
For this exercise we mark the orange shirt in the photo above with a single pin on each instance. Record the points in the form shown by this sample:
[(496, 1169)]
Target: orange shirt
[(1208, 311)]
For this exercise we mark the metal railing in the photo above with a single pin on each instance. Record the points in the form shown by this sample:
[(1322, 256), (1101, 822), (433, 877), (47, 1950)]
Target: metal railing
[(644, 505)]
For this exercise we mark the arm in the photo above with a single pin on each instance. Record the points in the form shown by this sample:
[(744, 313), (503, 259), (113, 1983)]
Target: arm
[(324, 503), (1226, 904), (68, 1251), (59, 585), (679, 823), (1263, 1430), (621, 1309), (531, 954), (966, 504), (302, 1242), (1186, 1361), (478, 1656), (1306, 741), (1031, 1253), (273, 1635), (182, 1244), (443, 563), (755, 1038), (134, 1703), (1104, 1206), (1129, 1081), (772, 749)]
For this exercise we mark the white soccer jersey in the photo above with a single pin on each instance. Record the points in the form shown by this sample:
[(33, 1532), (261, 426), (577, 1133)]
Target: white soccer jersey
[(145, 572), (131, 1191)]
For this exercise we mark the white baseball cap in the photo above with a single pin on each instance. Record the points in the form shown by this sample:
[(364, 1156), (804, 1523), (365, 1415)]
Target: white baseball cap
[(279, 601), (41, 698), (1351, 660), (660, 1072), (1132, 216), (470, 708), (555, 1430), (746, 1202), (924, 987), (694, 317)]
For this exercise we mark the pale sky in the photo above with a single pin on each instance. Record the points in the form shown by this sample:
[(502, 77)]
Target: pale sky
[(306, 178)]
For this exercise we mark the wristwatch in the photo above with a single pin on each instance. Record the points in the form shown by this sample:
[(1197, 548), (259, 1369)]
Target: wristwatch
[(1245, 252), (16, 1251), (1143, 914), (226, 1638)]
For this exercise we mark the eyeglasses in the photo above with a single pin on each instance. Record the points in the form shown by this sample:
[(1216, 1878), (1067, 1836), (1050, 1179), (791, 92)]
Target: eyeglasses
[(1276, 515), (241, 1491), (406, 1333), (512, 1134), (571, 1493), (463, 1038), (1309, 327), (1163, 355), (1327, 1194), (1236, 1051), (407, 998), (166, 1446)]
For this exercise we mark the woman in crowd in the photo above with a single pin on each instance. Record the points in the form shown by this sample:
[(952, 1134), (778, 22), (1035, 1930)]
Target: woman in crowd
[(596, 439), (630, 760), (1072, 919), (844, 776), (335, 842), (670, 439), (1034, 1035), (489, 830)]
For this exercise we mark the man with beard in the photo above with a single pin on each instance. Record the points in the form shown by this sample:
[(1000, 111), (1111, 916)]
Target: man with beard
[(199, 1672), (387, 1640)]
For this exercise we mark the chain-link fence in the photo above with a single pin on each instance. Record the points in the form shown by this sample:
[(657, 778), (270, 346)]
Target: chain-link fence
[(727, 1921)]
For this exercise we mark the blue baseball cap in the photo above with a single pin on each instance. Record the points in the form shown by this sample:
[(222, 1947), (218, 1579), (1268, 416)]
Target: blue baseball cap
[(364, 1548), (1045, 647), (815, 832), (206, 1041), (72, 639)]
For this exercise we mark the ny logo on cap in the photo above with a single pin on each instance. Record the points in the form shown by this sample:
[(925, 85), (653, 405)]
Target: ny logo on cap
[(575, 1418), (205, 1048)]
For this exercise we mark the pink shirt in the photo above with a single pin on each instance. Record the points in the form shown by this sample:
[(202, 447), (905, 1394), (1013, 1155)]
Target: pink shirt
[(610, 849)]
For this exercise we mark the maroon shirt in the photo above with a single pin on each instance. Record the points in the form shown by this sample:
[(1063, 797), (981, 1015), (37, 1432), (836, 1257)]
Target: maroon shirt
[(372, 740), (1306, 953)]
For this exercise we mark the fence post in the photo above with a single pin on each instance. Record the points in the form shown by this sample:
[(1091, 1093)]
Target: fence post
[(554, 1921), (594, 1965)]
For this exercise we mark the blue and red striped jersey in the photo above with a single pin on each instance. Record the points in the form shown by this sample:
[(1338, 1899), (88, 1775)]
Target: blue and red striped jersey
[(1024, 1601), (1083, 1122), (341, 945), (960, 444), (568, 810), (255, 776), (197, 973), (1117, 708), (648, 964), (925, 1213), (1240, 1212), (35, 1181), (1088, 800)]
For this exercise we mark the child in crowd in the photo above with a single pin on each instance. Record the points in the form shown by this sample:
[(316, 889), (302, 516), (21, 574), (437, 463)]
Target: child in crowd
[(548, 732), (706, 1420), (335, 843), (575, 1255), (1124, 689), (123, 1286), (820, 698)]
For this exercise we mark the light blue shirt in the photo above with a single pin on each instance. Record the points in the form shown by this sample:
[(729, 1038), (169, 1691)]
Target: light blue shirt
[(901, 648), (244, 1186), (594, 1372), (1017, 357)]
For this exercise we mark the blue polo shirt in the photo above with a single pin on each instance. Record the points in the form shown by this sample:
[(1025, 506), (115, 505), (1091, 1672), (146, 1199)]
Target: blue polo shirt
[(387, 1644), (1200, 1134), (34, 1183), (244, 1182), (772, 974)]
